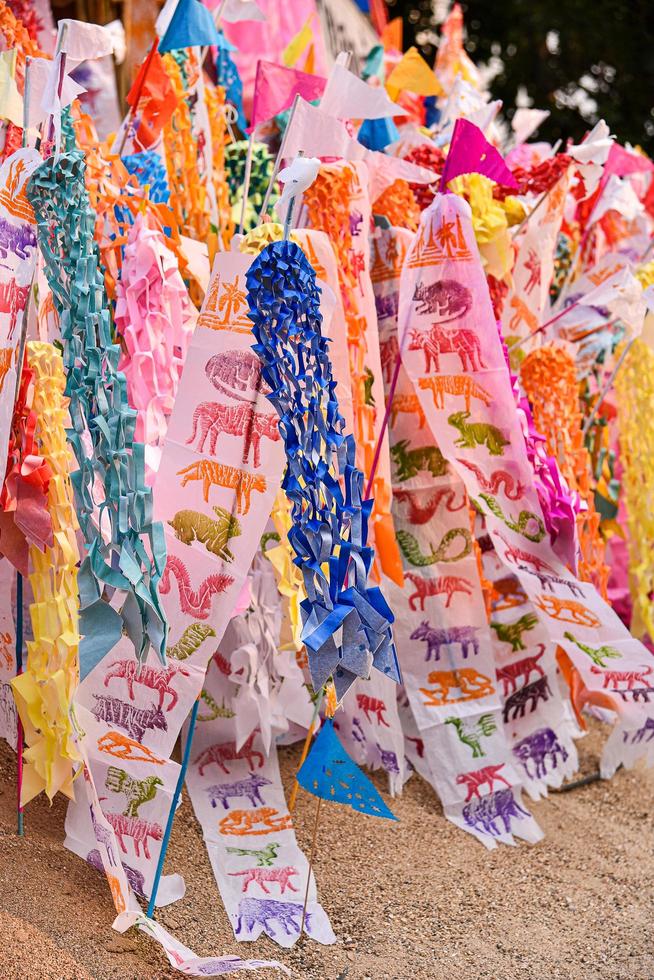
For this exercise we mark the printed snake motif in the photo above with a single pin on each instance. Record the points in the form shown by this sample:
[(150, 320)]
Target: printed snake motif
[(411, 548)]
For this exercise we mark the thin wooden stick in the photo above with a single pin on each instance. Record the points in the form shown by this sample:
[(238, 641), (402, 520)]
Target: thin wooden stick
[(19, 726), (305, 748), (278, 160), (605, 390), (246, 180), (311, 856)]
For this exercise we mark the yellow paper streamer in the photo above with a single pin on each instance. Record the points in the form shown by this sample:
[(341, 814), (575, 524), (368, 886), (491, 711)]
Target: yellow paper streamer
[(45, 690)]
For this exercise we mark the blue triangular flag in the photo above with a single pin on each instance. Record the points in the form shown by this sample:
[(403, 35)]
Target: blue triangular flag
[(191, 26), (330, 773), (376, 134)]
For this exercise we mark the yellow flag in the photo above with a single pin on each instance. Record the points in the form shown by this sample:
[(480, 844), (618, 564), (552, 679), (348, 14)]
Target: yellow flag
[(298, 45), (11, 102), (412, 74)]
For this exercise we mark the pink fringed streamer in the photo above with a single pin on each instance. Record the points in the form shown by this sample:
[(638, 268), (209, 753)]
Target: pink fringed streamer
[(155, 319)]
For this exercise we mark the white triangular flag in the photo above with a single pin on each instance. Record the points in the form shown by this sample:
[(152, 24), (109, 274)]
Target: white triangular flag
[(525, 122), (238, 10), (42, 90), (84, 42), (319, 135), (348, 97)]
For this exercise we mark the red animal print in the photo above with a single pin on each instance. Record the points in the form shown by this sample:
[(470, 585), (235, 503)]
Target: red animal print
[(510, 674), (420, 746), (367, 704), (122, 747), (513, 489), (193, 602), (222, 664), (532, 265), (261, 876), (156, 678), (226, 752), (12, 300), (447, 585), (517, 556), (486, 776), (389, 351), (613, 678), (212, 419), (422, 509), (139, 830), (443, 340)]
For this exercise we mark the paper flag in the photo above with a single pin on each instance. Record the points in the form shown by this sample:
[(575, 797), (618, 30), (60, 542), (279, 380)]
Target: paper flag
[(622, 162), (11, 103), (298, 44), (84, 42), (42, 74), (155, 96), (376, 134), (190, 26), (391, 36), (330, 773), (349, 97), (413, 74), (238, 10), (470, 152), (319, 135), (526, 121), (275, 88)]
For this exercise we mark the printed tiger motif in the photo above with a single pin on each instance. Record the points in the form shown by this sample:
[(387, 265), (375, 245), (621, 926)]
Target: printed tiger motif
[(410, 404), (135, 721), (467, 680), (265, 876), (567, 611), (222, 475), (447, 585)]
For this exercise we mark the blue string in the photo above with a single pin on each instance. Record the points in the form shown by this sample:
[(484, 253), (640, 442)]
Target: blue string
[(173, 809)]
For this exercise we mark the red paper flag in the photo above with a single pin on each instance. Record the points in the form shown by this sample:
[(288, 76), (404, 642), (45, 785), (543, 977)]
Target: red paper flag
[(470, 152), (153, 98), (275, 89)]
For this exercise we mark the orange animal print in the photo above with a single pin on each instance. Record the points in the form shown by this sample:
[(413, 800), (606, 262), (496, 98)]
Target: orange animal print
[(222, 475), (468, 681), (243, 822), (454, 384), (116, 893), (522, 312), (507, 593), (597, 278), (7, 644), (409, 404), (567, 611), (446, 244), (13, 197), (122, 747), (6, 354)]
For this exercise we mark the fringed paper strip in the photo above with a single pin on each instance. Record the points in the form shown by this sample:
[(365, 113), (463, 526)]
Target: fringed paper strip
[(45, 690), (330, 520), (111, 466)]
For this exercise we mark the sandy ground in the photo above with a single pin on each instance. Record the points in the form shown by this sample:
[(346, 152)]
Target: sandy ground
[(417, 900)]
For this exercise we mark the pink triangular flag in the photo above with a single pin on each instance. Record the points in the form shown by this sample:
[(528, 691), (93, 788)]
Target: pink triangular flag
[(275, 88), (622, 162), (470, 152)]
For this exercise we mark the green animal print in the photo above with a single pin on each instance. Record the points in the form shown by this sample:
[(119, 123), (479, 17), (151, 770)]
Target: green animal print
[(470, 731), (369, 380), (137, 791), (597, 654), (217, 711), (191, 640), (512, 632), (191, 525), (264, 856), (525, 517), (410, 462), (268, 536), (477, 434), (413, 554)]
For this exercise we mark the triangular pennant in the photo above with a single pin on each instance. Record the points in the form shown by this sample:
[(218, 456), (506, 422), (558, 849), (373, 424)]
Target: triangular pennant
[(191, 26), (275, 88), (329, 772), (413, 74), (470, 152)]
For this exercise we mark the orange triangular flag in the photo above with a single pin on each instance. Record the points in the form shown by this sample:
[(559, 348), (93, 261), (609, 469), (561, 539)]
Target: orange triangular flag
[(413, 74), (391, 36)]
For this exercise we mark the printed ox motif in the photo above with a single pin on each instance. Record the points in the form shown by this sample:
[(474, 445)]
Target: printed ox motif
[(436, 637), (135, 721), (516, 705), (248, 788)]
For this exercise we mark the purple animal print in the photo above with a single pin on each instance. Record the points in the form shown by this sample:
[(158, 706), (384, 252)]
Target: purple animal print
[(482, 814), (249, 788), (387, 306), (447, 298), (104, 836), (635, 694), (638, 736), (357, 731), (356, 220), (16, 239), (536, 748), (261, 911), (135, 721), (516, 705), (237, 373), (134, 877), (436, 637), (388, 759)]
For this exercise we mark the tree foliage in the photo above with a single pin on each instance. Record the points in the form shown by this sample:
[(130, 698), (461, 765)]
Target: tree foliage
[(581, 59)]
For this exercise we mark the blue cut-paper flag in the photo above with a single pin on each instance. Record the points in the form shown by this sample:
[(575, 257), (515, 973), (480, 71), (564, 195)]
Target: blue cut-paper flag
[(376, 134), (330, 773), (191, 26)]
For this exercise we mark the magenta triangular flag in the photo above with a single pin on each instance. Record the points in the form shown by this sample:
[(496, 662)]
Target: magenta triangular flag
[(275, 89), (470, 152)]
